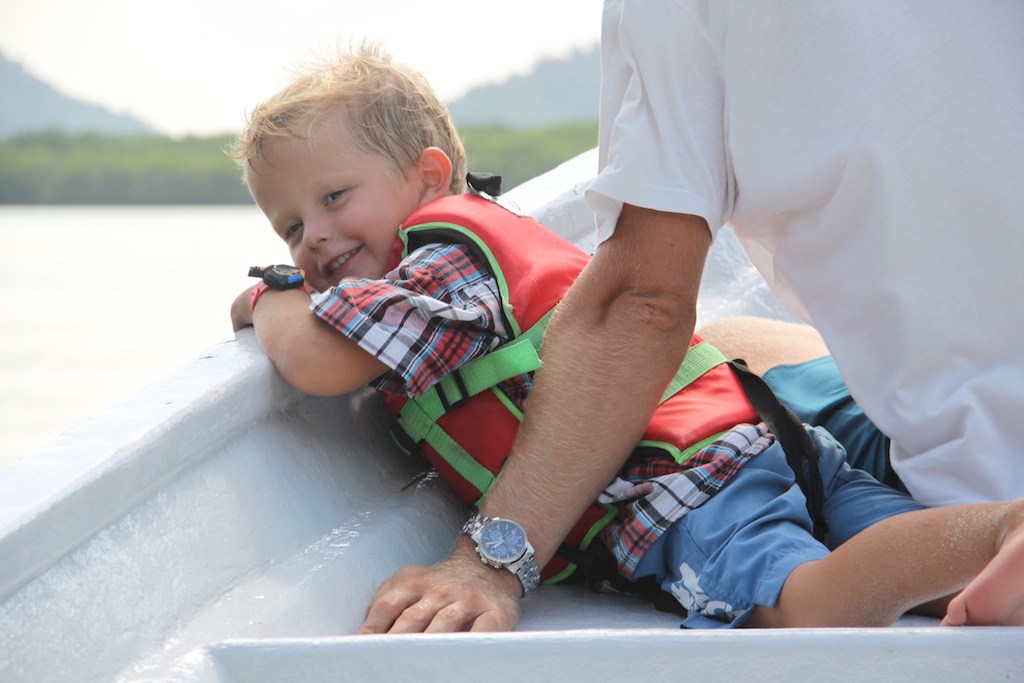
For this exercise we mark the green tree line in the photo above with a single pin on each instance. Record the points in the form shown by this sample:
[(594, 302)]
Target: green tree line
[(89, 168)]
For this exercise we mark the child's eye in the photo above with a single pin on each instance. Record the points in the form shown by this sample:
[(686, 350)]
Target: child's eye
[(291, 231), (332, 197)]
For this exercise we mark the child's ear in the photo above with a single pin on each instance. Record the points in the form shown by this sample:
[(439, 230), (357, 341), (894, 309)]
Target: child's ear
[(435, 173)]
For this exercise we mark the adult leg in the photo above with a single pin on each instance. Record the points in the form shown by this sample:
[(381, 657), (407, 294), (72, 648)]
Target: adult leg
[(764, 343)]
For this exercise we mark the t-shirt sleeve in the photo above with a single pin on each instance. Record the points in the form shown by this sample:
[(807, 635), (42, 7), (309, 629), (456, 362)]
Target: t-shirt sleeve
[(438, 310), (662, 133)]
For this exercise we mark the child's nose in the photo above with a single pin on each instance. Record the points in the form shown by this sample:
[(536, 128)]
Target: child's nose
[(314, 232)]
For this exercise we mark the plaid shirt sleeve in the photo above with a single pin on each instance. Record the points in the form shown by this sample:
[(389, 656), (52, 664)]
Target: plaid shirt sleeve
[(438, 310)]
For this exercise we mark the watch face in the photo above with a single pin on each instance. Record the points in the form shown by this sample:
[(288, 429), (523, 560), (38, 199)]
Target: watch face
[(502, 541)]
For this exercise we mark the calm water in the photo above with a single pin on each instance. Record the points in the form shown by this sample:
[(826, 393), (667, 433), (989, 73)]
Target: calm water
[(96, 302)]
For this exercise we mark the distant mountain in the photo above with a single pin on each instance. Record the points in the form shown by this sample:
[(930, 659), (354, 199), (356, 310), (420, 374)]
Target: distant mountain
[(556, 91), (27, 104)]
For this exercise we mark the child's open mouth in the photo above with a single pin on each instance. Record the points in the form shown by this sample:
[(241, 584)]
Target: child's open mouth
[(337, 263)]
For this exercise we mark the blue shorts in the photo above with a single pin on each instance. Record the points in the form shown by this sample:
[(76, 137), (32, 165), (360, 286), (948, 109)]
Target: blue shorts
[(816, 392), (737, 550)]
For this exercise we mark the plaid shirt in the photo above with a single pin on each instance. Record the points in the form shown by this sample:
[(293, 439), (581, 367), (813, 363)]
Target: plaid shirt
[(440, 309)]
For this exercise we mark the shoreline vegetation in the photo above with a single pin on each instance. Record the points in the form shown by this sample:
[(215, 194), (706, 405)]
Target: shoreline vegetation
[(90, 168)]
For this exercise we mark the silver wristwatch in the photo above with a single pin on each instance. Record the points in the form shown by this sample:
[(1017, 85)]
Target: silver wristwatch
[(502, 543)]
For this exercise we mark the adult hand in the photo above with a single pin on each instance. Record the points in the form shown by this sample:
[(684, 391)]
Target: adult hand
[(459, 594)]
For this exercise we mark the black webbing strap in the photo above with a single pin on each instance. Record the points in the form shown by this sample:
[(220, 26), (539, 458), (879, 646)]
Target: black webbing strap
[(793, 438)]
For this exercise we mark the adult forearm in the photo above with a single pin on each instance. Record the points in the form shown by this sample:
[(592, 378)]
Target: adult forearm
[(610, 351), (589, 408)]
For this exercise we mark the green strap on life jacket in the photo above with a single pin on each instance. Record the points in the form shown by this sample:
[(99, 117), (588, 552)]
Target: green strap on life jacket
[(700, 359), (418, 418)]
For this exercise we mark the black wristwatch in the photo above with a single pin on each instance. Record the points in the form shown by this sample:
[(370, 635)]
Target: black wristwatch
[(501, 543), (280, 277)]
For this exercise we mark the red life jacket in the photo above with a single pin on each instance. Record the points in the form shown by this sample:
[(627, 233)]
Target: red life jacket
[(465, 425)]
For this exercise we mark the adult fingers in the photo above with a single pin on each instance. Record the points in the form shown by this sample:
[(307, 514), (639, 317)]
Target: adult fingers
[(435, 614), (496, 620), (443, 607), (412, 604), (393, 598)]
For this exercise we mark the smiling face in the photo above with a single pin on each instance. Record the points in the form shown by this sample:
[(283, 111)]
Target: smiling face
[(337, 207)]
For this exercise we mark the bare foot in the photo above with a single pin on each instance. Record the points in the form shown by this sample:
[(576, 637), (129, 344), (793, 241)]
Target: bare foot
[(996, 596)]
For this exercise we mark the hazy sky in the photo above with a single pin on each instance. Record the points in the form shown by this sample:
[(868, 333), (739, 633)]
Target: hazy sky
[(197, 66)]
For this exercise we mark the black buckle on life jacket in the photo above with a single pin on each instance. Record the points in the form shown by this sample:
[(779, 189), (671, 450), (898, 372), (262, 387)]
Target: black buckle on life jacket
[(402, 438), (451, 404)]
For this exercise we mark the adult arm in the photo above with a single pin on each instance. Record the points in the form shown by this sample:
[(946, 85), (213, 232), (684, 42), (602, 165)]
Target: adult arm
[(614, 344)]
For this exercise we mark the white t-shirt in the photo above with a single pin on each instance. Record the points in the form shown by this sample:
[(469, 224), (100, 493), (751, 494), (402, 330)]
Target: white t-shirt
[(870, 156)]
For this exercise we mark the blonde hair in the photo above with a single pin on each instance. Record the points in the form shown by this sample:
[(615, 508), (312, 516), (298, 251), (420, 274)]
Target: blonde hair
[(393, 110)]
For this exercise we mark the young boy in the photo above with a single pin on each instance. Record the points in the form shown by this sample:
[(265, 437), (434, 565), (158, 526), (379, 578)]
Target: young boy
[(438, 300)]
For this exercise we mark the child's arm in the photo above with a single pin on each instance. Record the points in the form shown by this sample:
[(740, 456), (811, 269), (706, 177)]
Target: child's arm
[(440, 298), (311, 356)]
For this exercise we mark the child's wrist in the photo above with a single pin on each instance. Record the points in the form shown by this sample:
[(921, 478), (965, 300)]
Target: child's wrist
[(255, 294), (262, 288)]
